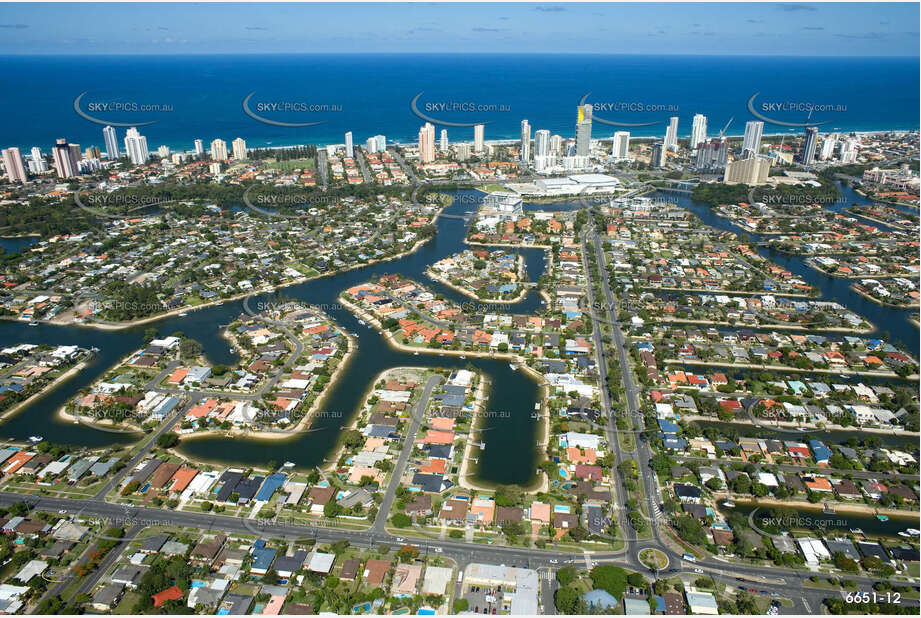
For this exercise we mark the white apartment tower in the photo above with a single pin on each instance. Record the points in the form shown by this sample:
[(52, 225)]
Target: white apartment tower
[(698, 130), (218, 150), (621, 145), (478, 138), (136, 147), (37, 163), (239, 148), (111, 140), (671, 134), (525, 143), (751, 142)]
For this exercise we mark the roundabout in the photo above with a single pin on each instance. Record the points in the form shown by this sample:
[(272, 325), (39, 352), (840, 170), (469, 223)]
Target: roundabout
[(653, 558)]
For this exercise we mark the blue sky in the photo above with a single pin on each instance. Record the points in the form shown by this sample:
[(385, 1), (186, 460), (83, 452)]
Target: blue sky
[(813, 29)]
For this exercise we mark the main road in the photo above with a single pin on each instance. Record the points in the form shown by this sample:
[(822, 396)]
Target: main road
[(767, 580)]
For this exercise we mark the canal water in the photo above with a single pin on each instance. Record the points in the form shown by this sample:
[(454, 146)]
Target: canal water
[(15, 244), (510, 433), (818, 521), (895, 322)]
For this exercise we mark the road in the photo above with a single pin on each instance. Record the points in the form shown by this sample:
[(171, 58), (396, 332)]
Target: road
[(620, 493), (360, 156), (785, 582), (641, 454), (383, 512), (87, 585), (323, 167), (165, 426)]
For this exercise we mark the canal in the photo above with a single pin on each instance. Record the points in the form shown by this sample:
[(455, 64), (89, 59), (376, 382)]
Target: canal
[(816, 520), (885, 319), (510, 433)]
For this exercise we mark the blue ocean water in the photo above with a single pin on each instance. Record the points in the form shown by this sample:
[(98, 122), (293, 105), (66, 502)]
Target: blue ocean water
[(371, 94)]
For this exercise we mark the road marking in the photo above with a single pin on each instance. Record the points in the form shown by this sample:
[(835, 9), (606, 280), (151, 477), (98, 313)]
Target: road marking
[(588, 560)]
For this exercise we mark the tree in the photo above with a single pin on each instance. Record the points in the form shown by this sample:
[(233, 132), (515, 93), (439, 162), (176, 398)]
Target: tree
[(401, 520), (167, 440), (567, 600), (611, 578), (566, 575), (189, 348), (332, 509)]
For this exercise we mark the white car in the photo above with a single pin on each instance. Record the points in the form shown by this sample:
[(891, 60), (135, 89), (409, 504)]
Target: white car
[(438, 550), (699, 571)]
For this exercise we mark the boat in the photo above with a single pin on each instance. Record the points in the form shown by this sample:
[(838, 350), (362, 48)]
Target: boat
[(729, 504), (512, 367), (463, 357), (882, 517), (537, 406), (856, 531), (415, 354), (35, 439), (33, 323), (913, 532), (827, 509), (362, 322), (183, 314)]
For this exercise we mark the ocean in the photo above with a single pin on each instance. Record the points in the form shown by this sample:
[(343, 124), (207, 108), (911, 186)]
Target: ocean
[(191, 97)]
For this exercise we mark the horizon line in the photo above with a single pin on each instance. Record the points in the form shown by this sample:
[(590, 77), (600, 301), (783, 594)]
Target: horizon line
[(426, 53)]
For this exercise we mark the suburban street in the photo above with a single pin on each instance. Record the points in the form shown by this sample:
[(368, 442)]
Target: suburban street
[(383, 512), (781, 581)]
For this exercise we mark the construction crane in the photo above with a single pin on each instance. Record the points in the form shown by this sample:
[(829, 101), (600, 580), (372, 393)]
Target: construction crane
[(726, 127)]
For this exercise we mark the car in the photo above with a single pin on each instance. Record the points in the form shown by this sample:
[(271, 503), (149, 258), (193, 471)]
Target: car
[(753, 590), (438, 550), (476, 609), (554, 561), (699, 571), (62, 512)]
